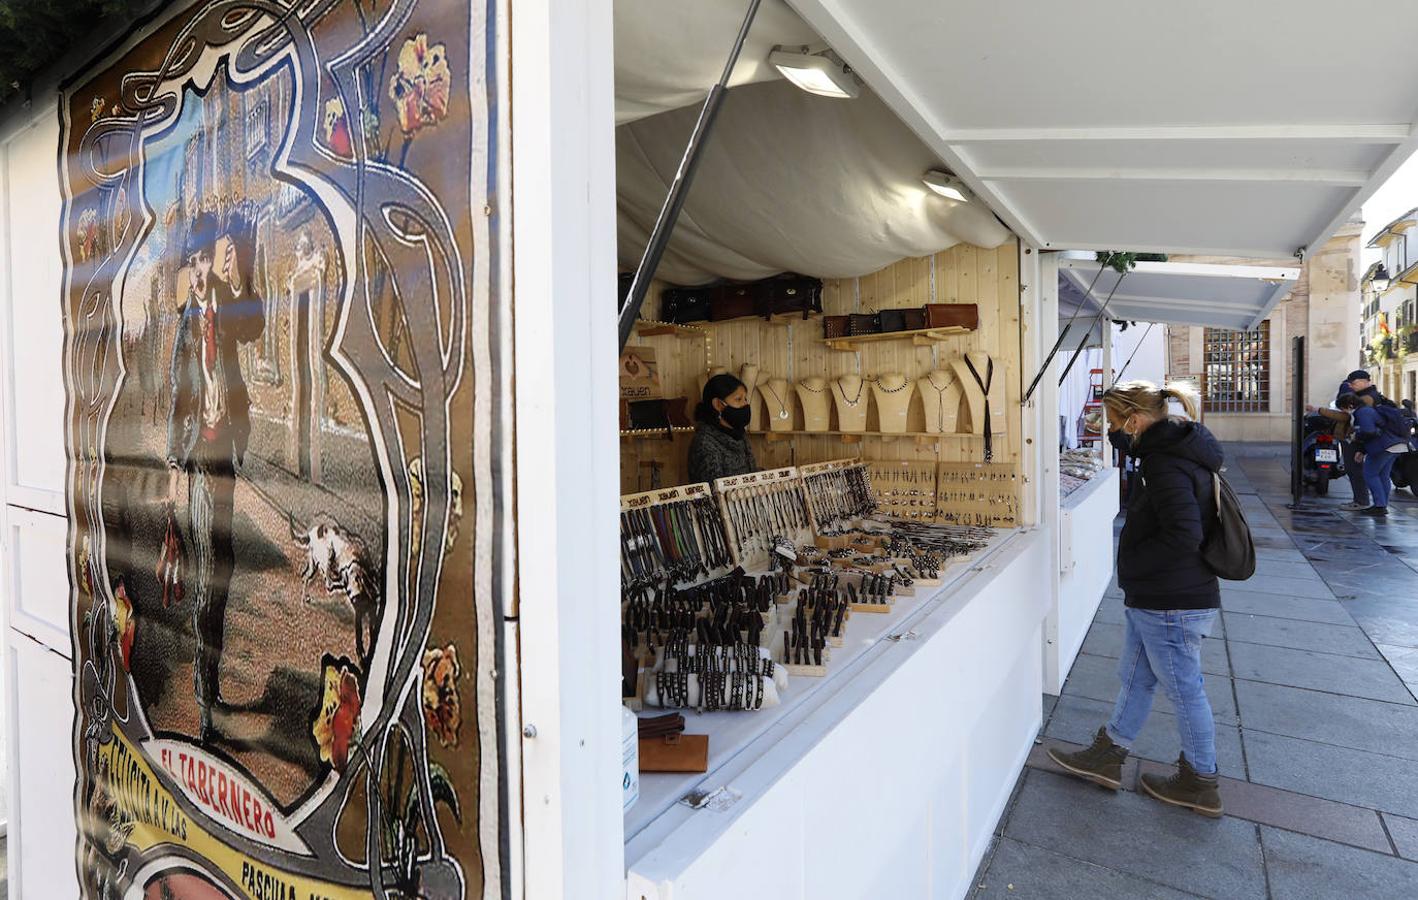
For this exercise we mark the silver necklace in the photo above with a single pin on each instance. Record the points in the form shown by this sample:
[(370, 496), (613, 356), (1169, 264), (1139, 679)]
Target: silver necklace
[(782, 407), (905, 383)]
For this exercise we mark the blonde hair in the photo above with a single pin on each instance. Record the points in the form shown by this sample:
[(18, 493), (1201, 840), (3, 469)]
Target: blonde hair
[(1123, 400)]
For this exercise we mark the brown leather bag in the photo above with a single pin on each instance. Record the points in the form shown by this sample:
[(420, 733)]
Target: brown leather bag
[(835, 326), (915, 318), (732, 301), (863, 323), (953, 315)]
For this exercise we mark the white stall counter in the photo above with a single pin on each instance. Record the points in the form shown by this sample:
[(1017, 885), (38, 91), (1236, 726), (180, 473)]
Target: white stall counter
[(1085, 568)]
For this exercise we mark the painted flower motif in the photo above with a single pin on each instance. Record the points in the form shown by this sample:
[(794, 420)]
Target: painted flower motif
[(442, 709), (88, 234), (96, 109), (86, 583), (420, 87), (337, 128), (455, 508), (124, 622), (337, 723)]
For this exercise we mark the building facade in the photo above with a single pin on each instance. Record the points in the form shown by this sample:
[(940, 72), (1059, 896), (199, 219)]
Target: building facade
[(1247, 377), (1390, 311)]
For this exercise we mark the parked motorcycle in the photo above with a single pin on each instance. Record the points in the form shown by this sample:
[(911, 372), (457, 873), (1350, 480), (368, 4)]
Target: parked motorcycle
[(1405, 468), (1321, 459)]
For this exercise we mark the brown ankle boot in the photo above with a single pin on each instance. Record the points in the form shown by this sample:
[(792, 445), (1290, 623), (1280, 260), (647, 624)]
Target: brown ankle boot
[(1101, 763), (1198, 793)]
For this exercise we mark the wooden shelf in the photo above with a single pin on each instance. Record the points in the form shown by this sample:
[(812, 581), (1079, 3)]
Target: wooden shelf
[(852, 437), (650, 328), (655, 433), (923, 338)]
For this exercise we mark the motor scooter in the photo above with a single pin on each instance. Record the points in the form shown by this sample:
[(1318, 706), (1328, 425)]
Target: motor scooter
[(1321, 459), (1405, 469)]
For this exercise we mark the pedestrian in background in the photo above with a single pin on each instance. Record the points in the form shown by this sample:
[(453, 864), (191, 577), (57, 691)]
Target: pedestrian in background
[(1360, 385), (1381, 434), (1171, 594)]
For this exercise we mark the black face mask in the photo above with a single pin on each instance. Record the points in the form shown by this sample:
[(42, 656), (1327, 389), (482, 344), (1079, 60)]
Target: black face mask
[(736, 417)]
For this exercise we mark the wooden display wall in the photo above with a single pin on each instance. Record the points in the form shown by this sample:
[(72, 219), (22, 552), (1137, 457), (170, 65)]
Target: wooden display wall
[(794, 349)]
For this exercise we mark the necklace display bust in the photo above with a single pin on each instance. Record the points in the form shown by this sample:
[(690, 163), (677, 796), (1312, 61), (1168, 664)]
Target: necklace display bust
[(849, 395), (989, 387), (778, 401), (893, 400), (749, 375), (817, 409), (940, 398)]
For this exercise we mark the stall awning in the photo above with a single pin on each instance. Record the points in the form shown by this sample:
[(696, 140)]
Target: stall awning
[(1213, 128), (1178, 293)]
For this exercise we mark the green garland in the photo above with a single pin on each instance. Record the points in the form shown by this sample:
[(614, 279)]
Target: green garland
[(35, 33), (1123, 262)]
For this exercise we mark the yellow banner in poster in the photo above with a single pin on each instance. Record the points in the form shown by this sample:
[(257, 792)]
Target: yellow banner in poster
[(158, 819)]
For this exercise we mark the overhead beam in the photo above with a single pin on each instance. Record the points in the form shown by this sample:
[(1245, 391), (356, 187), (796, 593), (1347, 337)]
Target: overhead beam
[(1388, 133), (1340, 177)]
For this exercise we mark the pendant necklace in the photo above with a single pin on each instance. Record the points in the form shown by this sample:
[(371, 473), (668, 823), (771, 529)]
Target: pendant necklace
[(782, 407), (861, 385)]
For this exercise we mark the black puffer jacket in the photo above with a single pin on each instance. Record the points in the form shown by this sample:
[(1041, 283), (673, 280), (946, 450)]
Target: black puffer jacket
[(1170, 507)]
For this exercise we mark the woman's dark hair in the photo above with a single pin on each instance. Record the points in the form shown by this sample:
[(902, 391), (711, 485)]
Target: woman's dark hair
[(717, 388), (1347, 401)]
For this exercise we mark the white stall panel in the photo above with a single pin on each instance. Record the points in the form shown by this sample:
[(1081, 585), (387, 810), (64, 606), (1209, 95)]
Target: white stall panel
[(38, 586), (32, 321), (42, 834)]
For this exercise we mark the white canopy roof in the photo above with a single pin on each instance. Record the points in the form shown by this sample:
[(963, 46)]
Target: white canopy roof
[(1177, 293), (1213, 127)]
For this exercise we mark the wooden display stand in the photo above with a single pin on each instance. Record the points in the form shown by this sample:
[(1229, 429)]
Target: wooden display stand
[(771, 481)]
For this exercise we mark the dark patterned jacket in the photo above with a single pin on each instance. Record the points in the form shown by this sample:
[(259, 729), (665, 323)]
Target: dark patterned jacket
[(238, 321), (715, 453)]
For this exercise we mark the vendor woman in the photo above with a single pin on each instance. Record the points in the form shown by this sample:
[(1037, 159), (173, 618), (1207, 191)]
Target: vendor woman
[(720, 446)]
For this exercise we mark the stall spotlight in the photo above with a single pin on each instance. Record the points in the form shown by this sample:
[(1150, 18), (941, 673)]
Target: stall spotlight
[(946, 185), (815, 73)]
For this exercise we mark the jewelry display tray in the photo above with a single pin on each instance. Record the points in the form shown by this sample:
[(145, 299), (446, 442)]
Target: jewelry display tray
[(735, 733)]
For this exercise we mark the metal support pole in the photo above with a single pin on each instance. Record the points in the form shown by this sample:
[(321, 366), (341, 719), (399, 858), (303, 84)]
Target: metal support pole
[(679, 188), (1107, 332), (1058, 342), (1297, 431)]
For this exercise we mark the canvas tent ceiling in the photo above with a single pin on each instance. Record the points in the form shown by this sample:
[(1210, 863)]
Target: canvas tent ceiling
[(1177, 293), (789, 181), (1213, 127)]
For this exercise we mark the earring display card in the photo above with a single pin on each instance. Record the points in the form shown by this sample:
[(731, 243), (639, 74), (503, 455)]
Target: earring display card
[(904, 490), (978, 494)]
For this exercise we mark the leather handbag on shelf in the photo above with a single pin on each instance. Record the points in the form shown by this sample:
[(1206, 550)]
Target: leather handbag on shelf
[(789, 294), (683, 305), (953, 315), (835, 326), (892, 320), (649, 415), (675, 753), (915, 318), (732, 301), (677, 409), (859, 324)]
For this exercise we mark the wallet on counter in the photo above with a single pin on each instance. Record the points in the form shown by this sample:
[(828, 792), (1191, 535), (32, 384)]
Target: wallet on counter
[(675, 753)]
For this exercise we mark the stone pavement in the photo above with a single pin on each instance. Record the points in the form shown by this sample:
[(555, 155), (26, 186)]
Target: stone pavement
[(1312, 672)]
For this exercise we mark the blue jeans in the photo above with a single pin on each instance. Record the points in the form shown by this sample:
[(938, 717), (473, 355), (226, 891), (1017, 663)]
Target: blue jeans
[(1377, 467), (1165, 647)]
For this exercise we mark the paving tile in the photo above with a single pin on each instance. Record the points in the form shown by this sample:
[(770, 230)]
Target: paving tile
[(1371, 725), (1285, 587), (1130, 833), (1404, 832), (1106, 639), (1096, 678), (1307, 609), (1022, 870), (1286, 555), (1076, 720), (1386, 621), (1281, 568), (1344, 640), (1307, 868), (1334, 773), (1349, 675), (1050, 701), (1403, 659)]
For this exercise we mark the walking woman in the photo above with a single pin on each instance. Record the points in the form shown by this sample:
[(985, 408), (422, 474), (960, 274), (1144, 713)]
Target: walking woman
[(1172, 597)]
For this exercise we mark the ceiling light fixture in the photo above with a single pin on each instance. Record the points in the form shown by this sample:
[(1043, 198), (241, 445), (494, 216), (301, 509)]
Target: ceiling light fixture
[(815, 73), (946, 185)]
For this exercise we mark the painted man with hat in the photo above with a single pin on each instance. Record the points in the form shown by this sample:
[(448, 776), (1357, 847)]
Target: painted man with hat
[(209, 425)]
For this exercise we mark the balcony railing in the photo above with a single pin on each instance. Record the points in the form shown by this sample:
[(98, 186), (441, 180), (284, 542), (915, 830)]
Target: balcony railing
[(1410, 342)]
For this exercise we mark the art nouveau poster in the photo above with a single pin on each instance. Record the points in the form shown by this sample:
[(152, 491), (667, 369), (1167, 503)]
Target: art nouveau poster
[(278, 301)]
